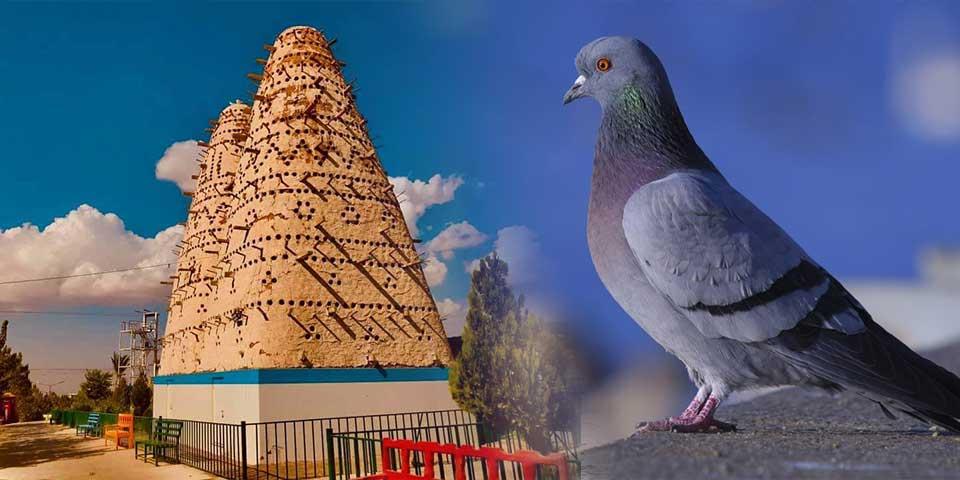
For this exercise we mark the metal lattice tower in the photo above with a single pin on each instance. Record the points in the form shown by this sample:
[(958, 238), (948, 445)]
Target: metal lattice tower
[(140, 341)]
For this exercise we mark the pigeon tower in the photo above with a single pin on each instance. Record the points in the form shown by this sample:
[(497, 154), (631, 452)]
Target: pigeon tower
[(315, 265)]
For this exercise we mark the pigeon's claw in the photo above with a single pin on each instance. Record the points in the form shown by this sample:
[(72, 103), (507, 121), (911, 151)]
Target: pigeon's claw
[(664, 425), (709, 426)]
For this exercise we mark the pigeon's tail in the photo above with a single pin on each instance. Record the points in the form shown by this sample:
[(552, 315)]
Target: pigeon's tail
[(878, 365)]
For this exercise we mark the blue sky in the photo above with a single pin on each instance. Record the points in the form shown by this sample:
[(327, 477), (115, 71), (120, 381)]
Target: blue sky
[(801, 104)]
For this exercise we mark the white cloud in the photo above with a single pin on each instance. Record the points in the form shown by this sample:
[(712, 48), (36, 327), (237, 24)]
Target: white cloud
[(434, 270), (454, 314), (518, 246), (416, 196), (84, 241), (454, 237), (179, 164), (927, 96), (925, 76), (940, 267)]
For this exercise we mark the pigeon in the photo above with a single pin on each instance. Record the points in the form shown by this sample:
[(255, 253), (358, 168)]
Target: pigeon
[(713, 279)]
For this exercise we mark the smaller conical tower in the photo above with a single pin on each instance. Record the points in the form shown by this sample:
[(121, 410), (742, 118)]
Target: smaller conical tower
[(205, 232)]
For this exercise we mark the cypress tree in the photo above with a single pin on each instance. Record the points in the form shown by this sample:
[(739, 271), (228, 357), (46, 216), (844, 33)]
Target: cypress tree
[(477, 375), (513, 373)]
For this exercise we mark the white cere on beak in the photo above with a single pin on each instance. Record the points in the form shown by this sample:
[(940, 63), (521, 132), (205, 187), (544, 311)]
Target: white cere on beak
[(579, 81)]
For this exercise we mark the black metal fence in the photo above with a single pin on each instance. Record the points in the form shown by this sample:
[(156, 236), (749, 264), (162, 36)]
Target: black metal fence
[(217, 448), (333, 448), (298, 449)]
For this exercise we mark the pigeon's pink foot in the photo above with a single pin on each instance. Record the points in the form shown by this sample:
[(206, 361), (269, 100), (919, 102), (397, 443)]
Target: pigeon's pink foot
[(688, 413), (710, 425), (697, 418)]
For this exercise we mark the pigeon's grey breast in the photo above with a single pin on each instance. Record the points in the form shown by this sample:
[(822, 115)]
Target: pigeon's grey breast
[(719, 260), (624, 279), (719, 360)]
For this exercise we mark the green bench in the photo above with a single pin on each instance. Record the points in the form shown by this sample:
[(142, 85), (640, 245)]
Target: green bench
[(92, 427), (165, 436)]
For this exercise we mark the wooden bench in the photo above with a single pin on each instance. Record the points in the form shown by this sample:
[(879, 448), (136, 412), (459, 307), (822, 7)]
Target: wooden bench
[(92, 426), (165, 436), (123, 429)]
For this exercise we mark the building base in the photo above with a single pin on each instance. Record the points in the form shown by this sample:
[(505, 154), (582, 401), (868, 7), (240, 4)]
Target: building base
[(269, 395)]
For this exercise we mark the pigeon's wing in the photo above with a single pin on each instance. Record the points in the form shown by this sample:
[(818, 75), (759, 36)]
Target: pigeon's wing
[(723, 263)]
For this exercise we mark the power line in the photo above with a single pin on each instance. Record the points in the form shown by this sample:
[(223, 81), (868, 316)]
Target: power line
[(59, 369), (42, 312), (28, 280)]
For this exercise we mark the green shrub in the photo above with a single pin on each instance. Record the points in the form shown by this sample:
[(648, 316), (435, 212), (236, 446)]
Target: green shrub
[(141, 396)]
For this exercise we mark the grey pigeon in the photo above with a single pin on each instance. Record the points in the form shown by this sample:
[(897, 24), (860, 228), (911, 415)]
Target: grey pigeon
[(713, 279)]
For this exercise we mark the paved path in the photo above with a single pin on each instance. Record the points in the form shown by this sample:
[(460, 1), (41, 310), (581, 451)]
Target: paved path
[(792, 433), (37, 451)]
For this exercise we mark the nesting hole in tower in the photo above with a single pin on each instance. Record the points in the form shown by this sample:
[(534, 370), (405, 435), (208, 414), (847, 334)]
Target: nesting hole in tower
[(350, 215)]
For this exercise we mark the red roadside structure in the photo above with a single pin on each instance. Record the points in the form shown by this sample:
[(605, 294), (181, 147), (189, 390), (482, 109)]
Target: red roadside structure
[(8, 408), (528, 461)]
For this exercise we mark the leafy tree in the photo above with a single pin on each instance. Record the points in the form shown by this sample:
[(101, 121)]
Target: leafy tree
[(122, 394), (58, 401), (120, 365), (141, 395), (14, 374), (81, 402), (513, 372), (35, 405), (96, 385), (543, 381), (32, 403)]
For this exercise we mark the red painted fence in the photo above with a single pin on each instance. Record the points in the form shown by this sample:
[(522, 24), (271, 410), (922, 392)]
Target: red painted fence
[(492, 456)]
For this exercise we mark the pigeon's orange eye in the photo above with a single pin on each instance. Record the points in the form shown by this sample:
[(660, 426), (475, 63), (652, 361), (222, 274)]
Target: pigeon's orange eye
[(604, 64)]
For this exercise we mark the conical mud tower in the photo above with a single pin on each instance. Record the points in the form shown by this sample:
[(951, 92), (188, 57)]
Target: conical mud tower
[(205, 234), (318, 269)]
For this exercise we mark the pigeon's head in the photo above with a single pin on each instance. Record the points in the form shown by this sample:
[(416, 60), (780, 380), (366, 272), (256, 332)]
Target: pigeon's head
[(609, 66)]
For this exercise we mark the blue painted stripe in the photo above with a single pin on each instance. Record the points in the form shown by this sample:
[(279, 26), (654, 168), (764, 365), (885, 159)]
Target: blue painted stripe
[(305, 375)]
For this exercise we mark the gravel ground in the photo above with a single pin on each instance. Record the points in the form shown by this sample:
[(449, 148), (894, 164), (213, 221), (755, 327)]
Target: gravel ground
[(38, 451), (792, 433)]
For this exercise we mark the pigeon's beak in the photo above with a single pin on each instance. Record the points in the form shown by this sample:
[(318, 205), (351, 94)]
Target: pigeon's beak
[(576, 91)]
